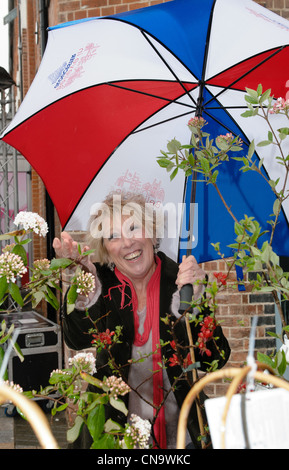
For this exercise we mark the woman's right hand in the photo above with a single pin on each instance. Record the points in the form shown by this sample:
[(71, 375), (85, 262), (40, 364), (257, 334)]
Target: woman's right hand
[(66, 247)]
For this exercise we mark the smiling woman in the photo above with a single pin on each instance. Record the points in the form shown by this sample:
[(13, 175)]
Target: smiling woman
[(137, 293), (122, 215)]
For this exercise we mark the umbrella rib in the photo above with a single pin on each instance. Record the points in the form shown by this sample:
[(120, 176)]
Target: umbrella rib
[(245, 74), (199, 112), (222, 124), (227, 107), (169, 101), (161, 122), (200, 105), (167, 65)]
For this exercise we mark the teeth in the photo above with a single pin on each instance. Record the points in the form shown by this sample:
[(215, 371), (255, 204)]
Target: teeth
[(133, 255)]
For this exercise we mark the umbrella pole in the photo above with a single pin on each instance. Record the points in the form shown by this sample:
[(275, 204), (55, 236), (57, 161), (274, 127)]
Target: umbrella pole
[(192, 354), (186, 295)]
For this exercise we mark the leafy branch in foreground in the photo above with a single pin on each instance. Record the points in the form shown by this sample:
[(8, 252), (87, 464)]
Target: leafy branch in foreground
[(202, 160)]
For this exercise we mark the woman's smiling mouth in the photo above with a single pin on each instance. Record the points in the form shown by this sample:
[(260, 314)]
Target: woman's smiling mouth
[(133, 256)]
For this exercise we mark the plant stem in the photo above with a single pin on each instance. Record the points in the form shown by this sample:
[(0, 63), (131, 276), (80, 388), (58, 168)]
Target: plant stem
[(224, 202)]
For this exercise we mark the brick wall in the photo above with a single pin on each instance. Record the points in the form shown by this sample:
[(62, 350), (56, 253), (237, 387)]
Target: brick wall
[(236, 308), (281, 7), (77, 9)]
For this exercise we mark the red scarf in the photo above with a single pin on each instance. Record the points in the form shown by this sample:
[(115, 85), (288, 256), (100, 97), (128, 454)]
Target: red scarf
[(151, 323)]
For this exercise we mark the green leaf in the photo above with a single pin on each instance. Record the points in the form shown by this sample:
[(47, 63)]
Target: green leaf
[(239, 230), (73, 433), (265, 359), (59, 408), (111, 425), (60, 263), (284, 131), (251, 150), (205, 165), (88, 252), (170, 166), (191, 159), (264, 143), (18, 351), (261, 163), (14, 291), (51, 298), (20, 251), (91, 380), (2, 354), (214, 176), (248, 113), (265, 95), (3, 286), (106, 442), (37, 297), (96, 421), (72, 294), (118, 405), (163, 162), (253, 93), (174, 173), (276, 207), (174, 146), (252, 99), (70, 308), (281, 362), (195, 365)]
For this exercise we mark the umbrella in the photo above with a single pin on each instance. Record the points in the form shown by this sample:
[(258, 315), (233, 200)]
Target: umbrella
[(112, 91)]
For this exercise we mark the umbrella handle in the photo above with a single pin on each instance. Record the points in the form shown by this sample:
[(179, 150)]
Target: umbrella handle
[(186, 295)]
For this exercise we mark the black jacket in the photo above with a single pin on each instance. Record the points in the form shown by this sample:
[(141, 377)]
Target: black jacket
[(76, 326)]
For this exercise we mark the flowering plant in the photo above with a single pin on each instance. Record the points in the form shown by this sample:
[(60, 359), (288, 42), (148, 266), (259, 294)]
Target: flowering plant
[(204, 157), (65, 389), (45, 275), (66, 386)]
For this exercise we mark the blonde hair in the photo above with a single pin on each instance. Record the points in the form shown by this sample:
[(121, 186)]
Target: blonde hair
[(127, 204)]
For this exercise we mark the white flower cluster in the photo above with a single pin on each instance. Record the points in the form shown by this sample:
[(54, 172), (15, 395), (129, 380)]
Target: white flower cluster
[(14, 386), (139, 431), (11, 266), (84, 362), (116, 386), (41, 264), (59, 371), (31, 221), (85, 283)]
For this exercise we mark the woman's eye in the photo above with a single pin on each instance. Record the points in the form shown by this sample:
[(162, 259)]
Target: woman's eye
[(113, 236), (134, 227)]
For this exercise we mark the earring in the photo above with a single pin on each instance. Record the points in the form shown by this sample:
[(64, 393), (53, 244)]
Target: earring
[(111, 265)]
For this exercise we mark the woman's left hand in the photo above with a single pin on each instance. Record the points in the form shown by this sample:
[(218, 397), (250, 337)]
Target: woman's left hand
[(189, 273)]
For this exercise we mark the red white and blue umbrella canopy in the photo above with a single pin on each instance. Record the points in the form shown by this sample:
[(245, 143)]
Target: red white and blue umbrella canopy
[(112, 91)]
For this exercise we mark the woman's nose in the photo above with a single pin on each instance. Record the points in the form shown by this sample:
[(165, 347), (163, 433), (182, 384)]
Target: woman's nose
[(127, 241)]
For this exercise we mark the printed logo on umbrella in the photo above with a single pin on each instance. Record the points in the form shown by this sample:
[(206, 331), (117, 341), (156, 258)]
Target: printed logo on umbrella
[(130, 181), (267, 18), (69, 71)]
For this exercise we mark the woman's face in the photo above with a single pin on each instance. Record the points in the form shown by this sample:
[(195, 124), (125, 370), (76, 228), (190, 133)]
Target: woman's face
[(130, 251)]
